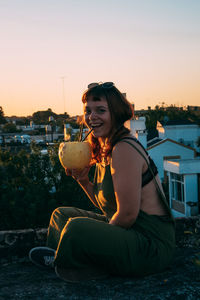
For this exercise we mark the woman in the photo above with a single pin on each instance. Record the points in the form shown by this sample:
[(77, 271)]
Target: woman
[(135, 235)]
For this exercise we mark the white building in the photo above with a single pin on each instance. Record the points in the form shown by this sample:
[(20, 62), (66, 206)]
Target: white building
[(174, 153), (182, 131), (184, 186), (138, 129), (169, 149)]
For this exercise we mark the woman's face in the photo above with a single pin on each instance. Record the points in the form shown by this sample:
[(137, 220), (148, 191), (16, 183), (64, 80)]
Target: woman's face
[(98, 117)]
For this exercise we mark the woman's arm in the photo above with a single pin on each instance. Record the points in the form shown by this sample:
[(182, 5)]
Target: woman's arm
[(126, 170), (88, 189), (81, 176)]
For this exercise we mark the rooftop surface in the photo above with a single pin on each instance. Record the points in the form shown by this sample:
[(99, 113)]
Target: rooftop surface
[(177, 122), (20, 279), (181, 280)]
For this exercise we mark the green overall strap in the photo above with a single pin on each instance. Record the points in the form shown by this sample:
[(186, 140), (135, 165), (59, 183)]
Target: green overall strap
[(160, 192)]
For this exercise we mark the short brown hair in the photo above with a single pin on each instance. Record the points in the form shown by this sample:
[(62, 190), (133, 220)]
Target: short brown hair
[(120, 109)]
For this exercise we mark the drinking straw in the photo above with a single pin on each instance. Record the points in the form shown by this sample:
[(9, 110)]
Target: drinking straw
[(82, 140), (81, 133)]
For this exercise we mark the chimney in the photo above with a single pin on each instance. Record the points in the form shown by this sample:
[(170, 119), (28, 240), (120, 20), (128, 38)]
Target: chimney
[(138, 129)]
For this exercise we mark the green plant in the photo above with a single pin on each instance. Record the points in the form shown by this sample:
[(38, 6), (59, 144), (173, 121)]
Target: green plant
[(32, 185)]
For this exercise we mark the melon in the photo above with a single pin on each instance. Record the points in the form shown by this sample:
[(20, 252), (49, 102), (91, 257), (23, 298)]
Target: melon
[(75, 155)]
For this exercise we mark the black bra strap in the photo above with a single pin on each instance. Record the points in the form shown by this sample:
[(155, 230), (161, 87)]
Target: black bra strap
[(135, 140)]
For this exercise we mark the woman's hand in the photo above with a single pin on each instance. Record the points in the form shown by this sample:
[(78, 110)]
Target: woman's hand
[(80, 175)]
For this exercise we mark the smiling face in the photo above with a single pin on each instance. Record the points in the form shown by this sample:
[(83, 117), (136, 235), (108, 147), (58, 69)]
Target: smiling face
[(98, 117)]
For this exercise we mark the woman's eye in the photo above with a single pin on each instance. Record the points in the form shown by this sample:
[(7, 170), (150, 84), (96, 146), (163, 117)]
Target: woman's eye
[(98, 110), (101, 110)]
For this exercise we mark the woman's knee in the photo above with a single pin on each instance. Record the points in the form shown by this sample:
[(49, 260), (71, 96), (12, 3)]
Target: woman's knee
[(62, 211), (74, 225), (55, 213), (78, 227), (58, 217)]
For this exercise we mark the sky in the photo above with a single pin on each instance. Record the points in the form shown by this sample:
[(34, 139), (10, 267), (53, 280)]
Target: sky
[(50, 50)]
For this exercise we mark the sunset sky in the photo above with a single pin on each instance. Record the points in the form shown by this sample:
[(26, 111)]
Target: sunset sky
[(149, 48)]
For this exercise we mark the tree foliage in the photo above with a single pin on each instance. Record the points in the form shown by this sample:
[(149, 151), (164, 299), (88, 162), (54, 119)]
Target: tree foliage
[(23, 121), (32, 185), (10, 128), (42, 117), (161, 113), (2, 118)]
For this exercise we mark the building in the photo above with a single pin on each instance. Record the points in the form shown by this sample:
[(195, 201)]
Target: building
[(169, 149), (184, 186), (182, 131), (174, 152), (138, 129)]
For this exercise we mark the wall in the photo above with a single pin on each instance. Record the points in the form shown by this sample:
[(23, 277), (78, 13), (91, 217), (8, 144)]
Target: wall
[(188, 133), (191, 193), (16, 244), (189, 168), (168, 148)]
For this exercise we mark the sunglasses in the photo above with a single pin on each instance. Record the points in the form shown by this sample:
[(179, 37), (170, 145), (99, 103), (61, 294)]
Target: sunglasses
[(105, 85)]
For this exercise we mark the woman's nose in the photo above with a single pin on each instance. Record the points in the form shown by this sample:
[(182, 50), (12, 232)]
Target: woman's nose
[(92, 115)]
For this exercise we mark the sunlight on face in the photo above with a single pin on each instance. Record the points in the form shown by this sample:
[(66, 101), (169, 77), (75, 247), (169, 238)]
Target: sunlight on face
[(97, 117)]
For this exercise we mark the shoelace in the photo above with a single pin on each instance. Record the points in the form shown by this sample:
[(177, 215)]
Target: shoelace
[(48, 260)]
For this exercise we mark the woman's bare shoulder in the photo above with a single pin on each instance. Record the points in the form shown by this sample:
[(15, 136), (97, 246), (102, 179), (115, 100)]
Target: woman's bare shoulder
[(123, 146), (126, 156)]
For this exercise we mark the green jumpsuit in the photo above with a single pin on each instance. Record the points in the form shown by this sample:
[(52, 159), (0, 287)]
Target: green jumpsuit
[(83, 239)]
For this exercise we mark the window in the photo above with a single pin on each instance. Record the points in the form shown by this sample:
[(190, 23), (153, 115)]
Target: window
[(177, 182)]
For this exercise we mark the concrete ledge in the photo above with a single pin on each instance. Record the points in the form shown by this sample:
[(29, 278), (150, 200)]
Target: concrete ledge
[(15, 244)]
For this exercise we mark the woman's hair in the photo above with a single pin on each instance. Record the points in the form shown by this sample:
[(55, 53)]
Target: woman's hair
[(120, 109)]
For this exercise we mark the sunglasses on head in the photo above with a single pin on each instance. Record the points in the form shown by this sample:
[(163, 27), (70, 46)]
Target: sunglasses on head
[(105, 85)]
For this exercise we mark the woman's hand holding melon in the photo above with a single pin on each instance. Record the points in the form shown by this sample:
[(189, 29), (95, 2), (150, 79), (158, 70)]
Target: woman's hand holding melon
[(80, 175)]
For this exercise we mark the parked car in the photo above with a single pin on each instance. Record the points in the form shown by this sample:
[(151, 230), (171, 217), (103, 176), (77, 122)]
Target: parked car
[(17, 139), (25, 139)]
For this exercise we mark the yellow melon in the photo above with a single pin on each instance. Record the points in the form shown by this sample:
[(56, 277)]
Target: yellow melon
[(75, 155)]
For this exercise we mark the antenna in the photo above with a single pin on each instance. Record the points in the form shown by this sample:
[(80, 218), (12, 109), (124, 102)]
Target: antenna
[(63, 90)]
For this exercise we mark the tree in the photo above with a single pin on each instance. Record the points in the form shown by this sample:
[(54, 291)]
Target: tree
[(10, 128), (23, 121), (2, 118), (42, 117), (171, 112), (32, 185)]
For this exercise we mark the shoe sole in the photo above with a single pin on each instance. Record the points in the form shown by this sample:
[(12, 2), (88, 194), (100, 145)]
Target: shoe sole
[(77, 276), (35, 263)]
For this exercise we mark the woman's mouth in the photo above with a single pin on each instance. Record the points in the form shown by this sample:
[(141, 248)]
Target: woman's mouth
[(94, 126)]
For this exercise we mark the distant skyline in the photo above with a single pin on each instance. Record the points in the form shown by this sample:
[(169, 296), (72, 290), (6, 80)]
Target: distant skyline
[(52, 49)]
